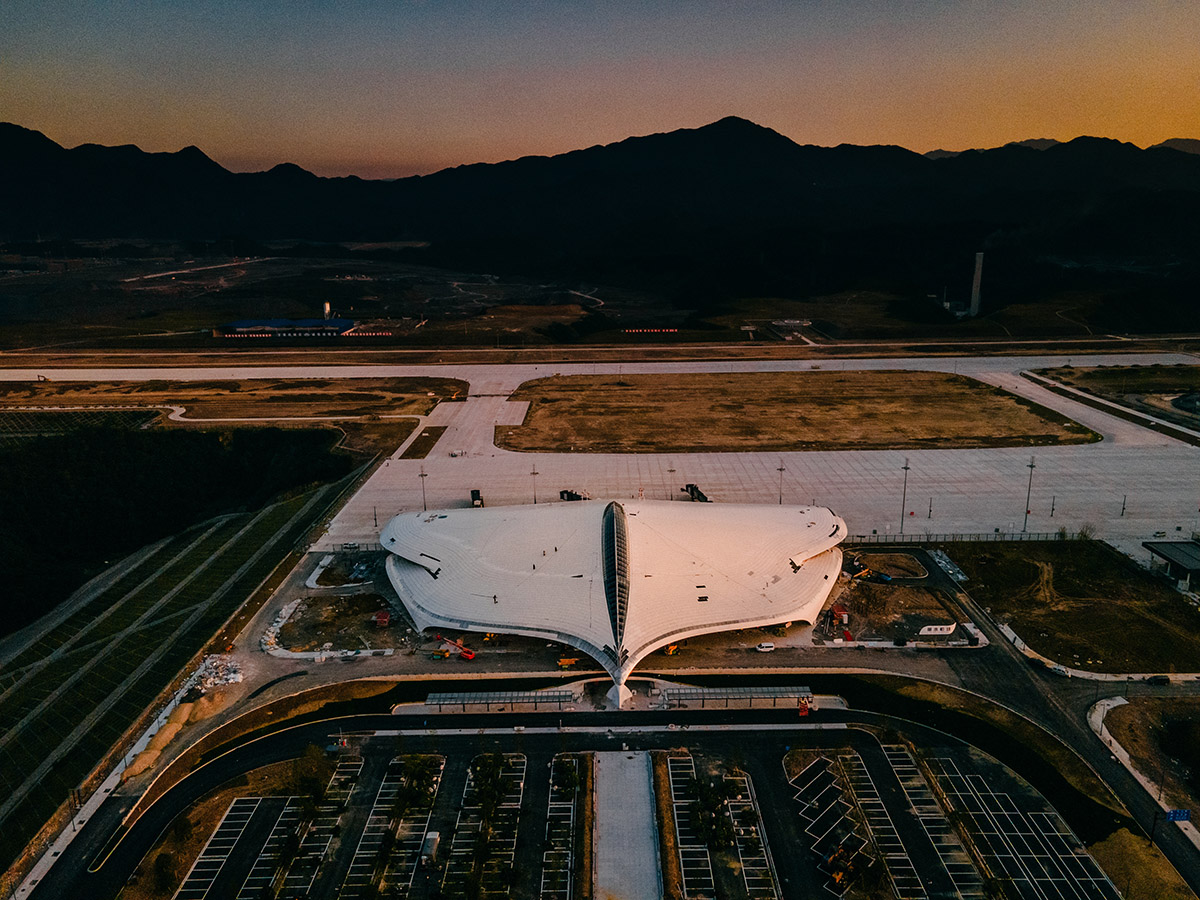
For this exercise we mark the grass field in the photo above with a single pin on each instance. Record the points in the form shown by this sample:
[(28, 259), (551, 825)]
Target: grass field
[(419, 449), (1153, 730), (1084, 605), (813, 410), (110, 664), (250, 398), (1147, 389)]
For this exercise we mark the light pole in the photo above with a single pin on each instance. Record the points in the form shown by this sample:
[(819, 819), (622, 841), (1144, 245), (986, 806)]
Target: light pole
[(534, 475), (424, 475), (904, 494), (781, 470), (1028, 493)]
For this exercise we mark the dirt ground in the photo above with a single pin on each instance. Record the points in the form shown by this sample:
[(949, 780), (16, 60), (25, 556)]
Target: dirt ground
[(1141, 726), (815, 410), (1083, 605), (343, 622), (891, 612), (250, 398), (897, 565)]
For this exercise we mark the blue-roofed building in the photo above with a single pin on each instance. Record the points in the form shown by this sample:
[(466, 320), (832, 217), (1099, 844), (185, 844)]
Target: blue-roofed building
[(277, 328)]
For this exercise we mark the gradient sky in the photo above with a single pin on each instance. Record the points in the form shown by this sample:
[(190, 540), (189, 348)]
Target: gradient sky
[(384, 89)]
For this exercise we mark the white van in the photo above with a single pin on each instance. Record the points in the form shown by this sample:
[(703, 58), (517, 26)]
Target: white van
[(765, 647)]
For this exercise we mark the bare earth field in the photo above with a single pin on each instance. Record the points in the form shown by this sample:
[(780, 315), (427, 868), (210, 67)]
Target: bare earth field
[(778, 411), (251, 398), (1083, 605)]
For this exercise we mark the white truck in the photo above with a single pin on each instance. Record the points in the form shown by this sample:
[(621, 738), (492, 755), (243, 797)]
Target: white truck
[(429, 848)]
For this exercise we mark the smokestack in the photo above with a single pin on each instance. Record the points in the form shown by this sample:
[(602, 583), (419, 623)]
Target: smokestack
[(974, 284)]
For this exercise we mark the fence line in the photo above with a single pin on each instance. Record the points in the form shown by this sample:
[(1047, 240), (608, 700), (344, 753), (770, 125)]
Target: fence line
[(930, 537)]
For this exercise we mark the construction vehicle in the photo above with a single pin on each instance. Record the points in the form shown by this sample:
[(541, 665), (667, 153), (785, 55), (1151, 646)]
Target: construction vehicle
[(440, 653), (804, 708), (464, 652), (670, 650), (567, 661)]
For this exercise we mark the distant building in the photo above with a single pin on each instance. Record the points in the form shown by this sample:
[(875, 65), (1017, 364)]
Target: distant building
[(976, 284), (283, 328), (1180, 559)]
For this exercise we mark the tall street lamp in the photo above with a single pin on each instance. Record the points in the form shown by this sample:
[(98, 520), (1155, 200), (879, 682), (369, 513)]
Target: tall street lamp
[(781, 470), (904, 494), (534, 475), (424, 475), (1028, 492)]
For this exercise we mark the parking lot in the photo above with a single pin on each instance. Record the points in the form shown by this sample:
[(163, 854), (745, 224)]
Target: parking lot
[(558, 857), (693, 852), (847, 807), (1032, 848), (494, 870)]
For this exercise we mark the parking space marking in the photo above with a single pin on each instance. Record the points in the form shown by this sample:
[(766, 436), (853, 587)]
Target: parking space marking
[(496, 878), (262, 873), (835, 840), (905, 881), (559, 855), (216, 850), (399, 869), (694, 858), (1041, 856), (315, 844), (932, 817), (750, 839)]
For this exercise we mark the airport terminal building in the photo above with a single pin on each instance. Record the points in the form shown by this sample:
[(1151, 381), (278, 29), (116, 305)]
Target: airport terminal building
[(616, 580)]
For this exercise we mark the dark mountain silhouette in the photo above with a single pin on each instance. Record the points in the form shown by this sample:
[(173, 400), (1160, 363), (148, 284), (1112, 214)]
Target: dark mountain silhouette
[(1187, 145), (728, 207)]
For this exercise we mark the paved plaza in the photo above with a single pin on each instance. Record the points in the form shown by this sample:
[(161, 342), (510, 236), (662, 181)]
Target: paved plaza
[(1129, 486)]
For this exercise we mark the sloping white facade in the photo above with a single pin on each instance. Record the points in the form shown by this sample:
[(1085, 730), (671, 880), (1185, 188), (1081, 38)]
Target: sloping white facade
[(616, 580)]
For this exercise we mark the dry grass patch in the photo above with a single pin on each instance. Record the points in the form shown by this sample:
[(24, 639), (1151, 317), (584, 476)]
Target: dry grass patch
[(1139, 869), (248, 398), (774, 411)]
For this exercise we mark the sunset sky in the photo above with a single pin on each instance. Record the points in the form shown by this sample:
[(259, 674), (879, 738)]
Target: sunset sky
[(384, 89)]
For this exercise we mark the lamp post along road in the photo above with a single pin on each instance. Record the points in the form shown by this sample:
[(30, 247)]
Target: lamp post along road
[(781, 470), (423, 476), (1028, 493), (904, 494), (534, 475)]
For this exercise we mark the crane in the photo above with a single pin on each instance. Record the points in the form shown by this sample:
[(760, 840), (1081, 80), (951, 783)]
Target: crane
[(463, 650)]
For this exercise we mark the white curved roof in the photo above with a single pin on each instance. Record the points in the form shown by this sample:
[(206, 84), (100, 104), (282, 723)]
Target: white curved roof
[(685, 569)]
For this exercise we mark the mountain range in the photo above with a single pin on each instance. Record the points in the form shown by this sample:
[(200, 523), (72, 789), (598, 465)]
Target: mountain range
[(696, 209)]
